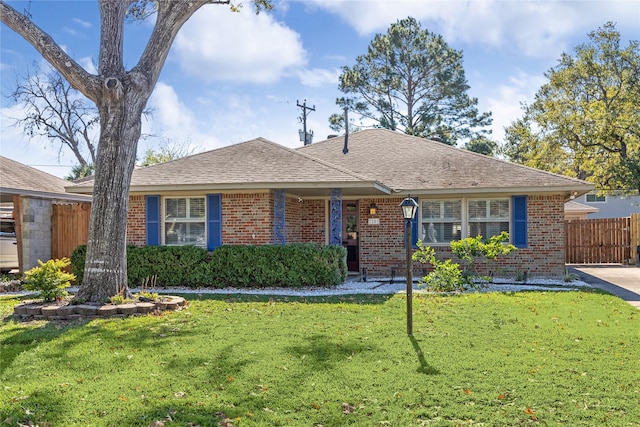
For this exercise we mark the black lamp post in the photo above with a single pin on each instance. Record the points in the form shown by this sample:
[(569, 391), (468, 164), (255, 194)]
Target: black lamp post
[(409, 207)]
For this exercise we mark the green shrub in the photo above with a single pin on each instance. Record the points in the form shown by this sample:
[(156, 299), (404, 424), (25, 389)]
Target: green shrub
[(474, 249), (48, 279), (293, 265), (448, 276)]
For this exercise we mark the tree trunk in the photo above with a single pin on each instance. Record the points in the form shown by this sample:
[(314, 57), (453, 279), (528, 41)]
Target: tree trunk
[(105, 273)]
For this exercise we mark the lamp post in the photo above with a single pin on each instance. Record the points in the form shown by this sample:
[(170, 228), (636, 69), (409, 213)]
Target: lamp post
[(409, 207)]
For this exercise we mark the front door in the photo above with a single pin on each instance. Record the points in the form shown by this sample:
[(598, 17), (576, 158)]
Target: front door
[(350, 233)]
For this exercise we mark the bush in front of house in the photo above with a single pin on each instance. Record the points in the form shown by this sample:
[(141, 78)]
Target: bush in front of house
[(285, 266), (293, 265), (49, 279)]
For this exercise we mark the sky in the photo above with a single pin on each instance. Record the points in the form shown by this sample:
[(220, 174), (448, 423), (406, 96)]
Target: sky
[(232, 77)]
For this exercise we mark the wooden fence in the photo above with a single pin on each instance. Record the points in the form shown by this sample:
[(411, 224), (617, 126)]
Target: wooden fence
[(601, 241), (69, 228)]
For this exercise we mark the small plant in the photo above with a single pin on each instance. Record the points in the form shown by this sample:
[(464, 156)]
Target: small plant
[(117, 299), (473, 249), (569, 277), (49, 279), (521, 276), (445, 277)]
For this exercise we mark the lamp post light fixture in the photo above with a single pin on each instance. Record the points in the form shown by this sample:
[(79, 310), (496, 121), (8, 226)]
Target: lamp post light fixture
[(409, 207)]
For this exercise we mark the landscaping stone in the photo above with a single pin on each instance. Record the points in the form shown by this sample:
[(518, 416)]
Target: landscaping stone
[(65, 311)]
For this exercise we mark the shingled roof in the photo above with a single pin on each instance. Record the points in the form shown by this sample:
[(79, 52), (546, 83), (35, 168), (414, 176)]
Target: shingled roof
[(19, 179), (411, 164), (255, 164), (379, 162)]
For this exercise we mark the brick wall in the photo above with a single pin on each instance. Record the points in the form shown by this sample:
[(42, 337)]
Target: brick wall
[(381, 246), (136, 221), (247, 219)]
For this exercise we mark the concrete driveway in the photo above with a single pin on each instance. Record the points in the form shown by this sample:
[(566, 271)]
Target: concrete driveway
[(622, 281)]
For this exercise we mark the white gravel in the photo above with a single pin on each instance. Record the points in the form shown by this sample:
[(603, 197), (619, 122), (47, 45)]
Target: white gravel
[(379, 286), (382, 286)]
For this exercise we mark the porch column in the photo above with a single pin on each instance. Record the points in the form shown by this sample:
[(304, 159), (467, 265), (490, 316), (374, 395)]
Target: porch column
[(335, 217), (279, 217)]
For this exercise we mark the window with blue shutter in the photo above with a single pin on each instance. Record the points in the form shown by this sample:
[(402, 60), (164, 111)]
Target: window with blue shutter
[(519, 221), (153, 220), (214, 221)]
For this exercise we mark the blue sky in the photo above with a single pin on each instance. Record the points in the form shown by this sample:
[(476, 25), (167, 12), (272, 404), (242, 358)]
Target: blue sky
[(231, 77)]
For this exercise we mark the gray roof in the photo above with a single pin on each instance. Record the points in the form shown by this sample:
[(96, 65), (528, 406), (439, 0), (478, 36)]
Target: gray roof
[(411, 164), (19, 179), (379, 162), (255, 164)]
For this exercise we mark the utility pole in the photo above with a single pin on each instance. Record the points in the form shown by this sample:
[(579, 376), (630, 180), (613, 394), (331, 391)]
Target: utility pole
[(305, 136)]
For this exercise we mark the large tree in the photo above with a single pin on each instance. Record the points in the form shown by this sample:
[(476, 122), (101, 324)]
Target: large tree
[(56, 111), (120, 96), (585, 121), (411, 80)]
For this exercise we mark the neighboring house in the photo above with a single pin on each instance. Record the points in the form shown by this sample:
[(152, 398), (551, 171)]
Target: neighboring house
[(30, 194), (614, 205), (575, 210), (259, 192)]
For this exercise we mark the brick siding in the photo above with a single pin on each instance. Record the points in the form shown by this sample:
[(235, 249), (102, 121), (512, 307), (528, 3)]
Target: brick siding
[(247, 219)]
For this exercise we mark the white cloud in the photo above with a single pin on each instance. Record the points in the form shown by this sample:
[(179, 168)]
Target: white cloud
[(318, 77), (172, 119), (533, 28), (216, 44), (505, 100)]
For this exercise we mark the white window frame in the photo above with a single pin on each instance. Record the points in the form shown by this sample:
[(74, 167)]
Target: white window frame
[(465, 220), (595, 198), (188, 219)]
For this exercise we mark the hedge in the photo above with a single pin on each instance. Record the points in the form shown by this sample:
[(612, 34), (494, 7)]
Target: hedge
[(287, 266)]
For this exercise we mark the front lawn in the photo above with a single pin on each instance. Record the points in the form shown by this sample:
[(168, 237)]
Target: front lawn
[(502, 359)]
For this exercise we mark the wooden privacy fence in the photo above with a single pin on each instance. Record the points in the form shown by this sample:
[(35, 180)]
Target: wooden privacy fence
[(69, 228), (601, 241)]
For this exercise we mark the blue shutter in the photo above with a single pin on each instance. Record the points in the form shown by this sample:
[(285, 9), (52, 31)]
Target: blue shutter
[(153, 220), (519, 221), (214, 221)]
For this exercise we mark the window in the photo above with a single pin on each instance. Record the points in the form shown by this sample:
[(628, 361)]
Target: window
[(441, 221), (594, 198), (184, 221), (447, 220), (488, 217)]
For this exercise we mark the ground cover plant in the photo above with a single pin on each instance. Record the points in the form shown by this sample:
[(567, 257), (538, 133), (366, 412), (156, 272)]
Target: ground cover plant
[(499, 359)]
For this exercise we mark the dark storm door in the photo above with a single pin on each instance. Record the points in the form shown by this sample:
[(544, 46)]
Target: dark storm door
[(350, 233)]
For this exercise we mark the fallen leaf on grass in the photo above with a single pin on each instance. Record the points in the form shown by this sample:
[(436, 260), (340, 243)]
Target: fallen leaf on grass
[(467, 391), (347, 409)]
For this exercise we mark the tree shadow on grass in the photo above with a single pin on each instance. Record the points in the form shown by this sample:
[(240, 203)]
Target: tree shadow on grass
[(323, 352), (424, 367)]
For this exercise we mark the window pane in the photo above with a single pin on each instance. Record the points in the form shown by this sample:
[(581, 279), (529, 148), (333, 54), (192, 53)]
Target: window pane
[(452, 209), (430, 209), (477, 209), (176, 208), (185, 233), (487, 229), (196, 208), (499, 209)]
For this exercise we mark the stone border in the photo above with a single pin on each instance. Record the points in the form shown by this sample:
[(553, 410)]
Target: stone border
[(66, 311)]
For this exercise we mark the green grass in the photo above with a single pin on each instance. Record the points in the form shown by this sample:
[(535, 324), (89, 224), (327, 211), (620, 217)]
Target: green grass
[(531, 358)]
